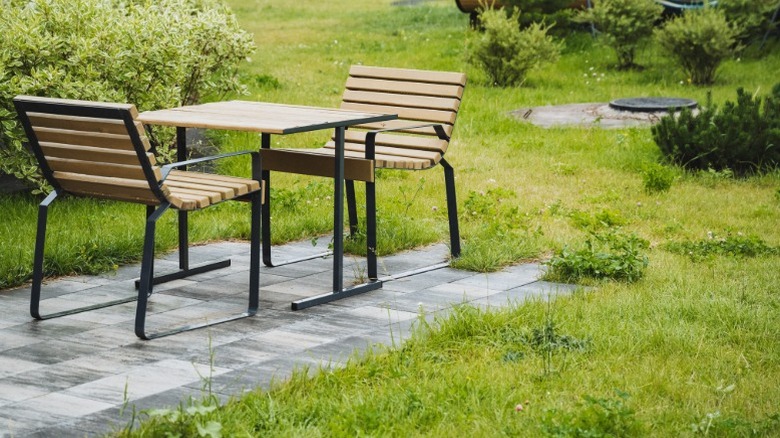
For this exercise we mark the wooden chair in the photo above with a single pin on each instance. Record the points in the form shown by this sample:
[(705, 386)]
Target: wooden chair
[(427, 104), (100, 150)]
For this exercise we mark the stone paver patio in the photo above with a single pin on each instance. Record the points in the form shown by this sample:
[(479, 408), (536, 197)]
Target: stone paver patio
[(82, 375)]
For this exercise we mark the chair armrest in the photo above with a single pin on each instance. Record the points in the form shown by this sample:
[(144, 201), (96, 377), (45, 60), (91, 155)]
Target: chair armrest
[(166, 169), (371, 136)]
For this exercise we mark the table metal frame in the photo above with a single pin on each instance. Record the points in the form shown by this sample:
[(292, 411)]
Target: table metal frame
[(197, 116)]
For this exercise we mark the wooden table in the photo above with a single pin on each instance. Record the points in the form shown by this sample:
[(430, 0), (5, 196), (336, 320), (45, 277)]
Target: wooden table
[(268, 119)]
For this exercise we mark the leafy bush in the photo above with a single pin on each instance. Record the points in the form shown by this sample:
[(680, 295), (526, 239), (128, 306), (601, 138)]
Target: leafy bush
[(606, 255), (625, 24), (751, 17), (732, 245), (506, 53), (556, 12), (699, 40), (744, 136), (657, 178), (153, 54)]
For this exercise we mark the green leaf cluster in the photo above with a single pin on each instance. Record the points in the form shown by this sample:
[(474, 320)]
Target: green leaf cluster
[(609, 254), (743, 136), (558, 12), (154, 54), (507, 53), (624, 24), (752, 17), (699, 40)]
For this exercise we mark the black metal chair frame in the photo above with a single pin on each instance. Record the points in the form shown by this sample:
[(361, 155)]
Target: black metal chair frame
[(153, 213), (452, 207)]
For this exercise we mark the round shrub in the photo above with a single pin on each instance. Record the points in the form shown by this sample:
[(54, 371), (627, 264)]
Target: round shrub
[(699, 40), (751, 17), (624, 24), (743, 136), (154, 54), (507, 53)]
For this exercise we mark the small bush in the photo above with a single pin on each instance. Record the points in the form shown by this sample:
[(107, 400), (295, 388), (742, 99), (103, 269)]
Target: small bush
[(606, 255), (506, 53), (625, 24), (153, 54), (557, 12), (743, 136), (657, 178), (699, 40), (751, 17)]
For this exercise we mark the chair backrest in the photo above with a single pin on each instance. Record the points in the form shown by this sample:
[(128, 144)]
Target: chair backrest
[(92, 148), (417, 96)]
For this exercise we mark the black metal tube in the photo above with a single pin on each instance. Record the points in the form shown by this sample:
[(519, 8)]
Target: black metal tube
[(452, 208), (40, 244)]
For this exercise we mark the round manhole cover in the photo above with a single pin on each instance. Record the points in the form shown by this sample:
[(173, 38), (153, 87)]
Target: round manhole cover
[(649, 104)]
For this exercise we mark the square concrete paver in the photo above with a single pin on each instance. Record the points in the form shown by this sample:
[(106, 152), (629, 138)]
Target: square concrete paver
[(82, 375)]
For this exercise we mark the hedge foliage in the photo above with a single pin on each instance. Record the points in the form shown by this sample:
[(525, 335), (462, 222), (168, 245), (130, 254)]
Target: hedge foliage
[(153, 53), (507, 53), (743, 136)]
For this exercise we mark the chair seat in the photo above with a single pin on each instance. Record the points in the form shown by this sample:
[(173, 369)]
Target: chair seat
[(195, 190), (385, 157)]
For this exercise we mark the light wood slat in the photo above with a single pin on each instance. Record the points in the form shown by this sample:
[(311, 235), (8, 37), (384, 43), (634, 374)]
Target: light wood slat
[(402, 100), (107, 187), (399, 124), (316, 163), (405, 113), (400, 141), (418, 88), (393, 162), (82, 103), (106, 126), (81, 138), (212, 196), (241, 186), (86, 153), (223, 192), (101, 169), (431, 156), (187, 201), (408, 74), (307, 166)]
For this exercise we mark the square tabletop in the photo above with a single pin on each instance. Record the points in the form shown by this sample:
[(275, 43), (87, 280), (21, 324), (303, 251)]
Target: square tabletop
[(268, 118)]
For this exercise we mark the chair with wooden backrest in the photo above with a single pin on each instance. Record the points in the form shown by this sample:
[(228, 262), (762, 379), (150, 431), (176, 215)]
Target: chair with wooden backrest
[(426, 103), (100, 150)]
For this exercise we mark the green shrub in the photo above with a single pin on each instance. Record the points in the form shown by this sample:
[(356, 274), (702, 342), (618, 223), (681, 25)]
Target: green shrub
[(605, 255), (625, 24), (699, 40), (657, 178), (732, 245), (594, 417), (153, 54), (751, 17), (506, 53), (557, 12), (743, 136)]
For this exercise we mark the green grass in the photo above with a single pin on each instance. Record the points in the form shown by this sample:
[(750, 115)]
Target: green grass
[(659, 356)]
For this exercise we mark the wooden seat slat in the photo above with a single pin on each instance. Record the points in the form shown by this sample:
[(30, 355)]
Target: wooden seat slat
[(400, 74), (84, 138), (401, 123), (316, 162), (425, 115), (240, 186), (224, 192), (399, 141), (414, 88), (401, 100), (195, 193), (87, 153), (107, 187), (100, 169), (91, 124)]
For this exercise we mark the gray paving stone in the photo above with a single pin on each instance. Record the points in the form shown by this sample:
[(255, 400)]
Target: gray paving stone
[(83, 374)]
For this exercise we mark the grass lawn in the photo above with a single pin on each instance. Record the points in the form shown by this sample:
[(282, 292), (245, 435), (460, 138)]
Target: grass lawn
[(690, 349)]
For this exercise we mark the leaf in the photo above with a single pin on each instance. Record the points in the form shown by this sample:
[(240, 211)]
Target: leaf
[(212, 429)]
